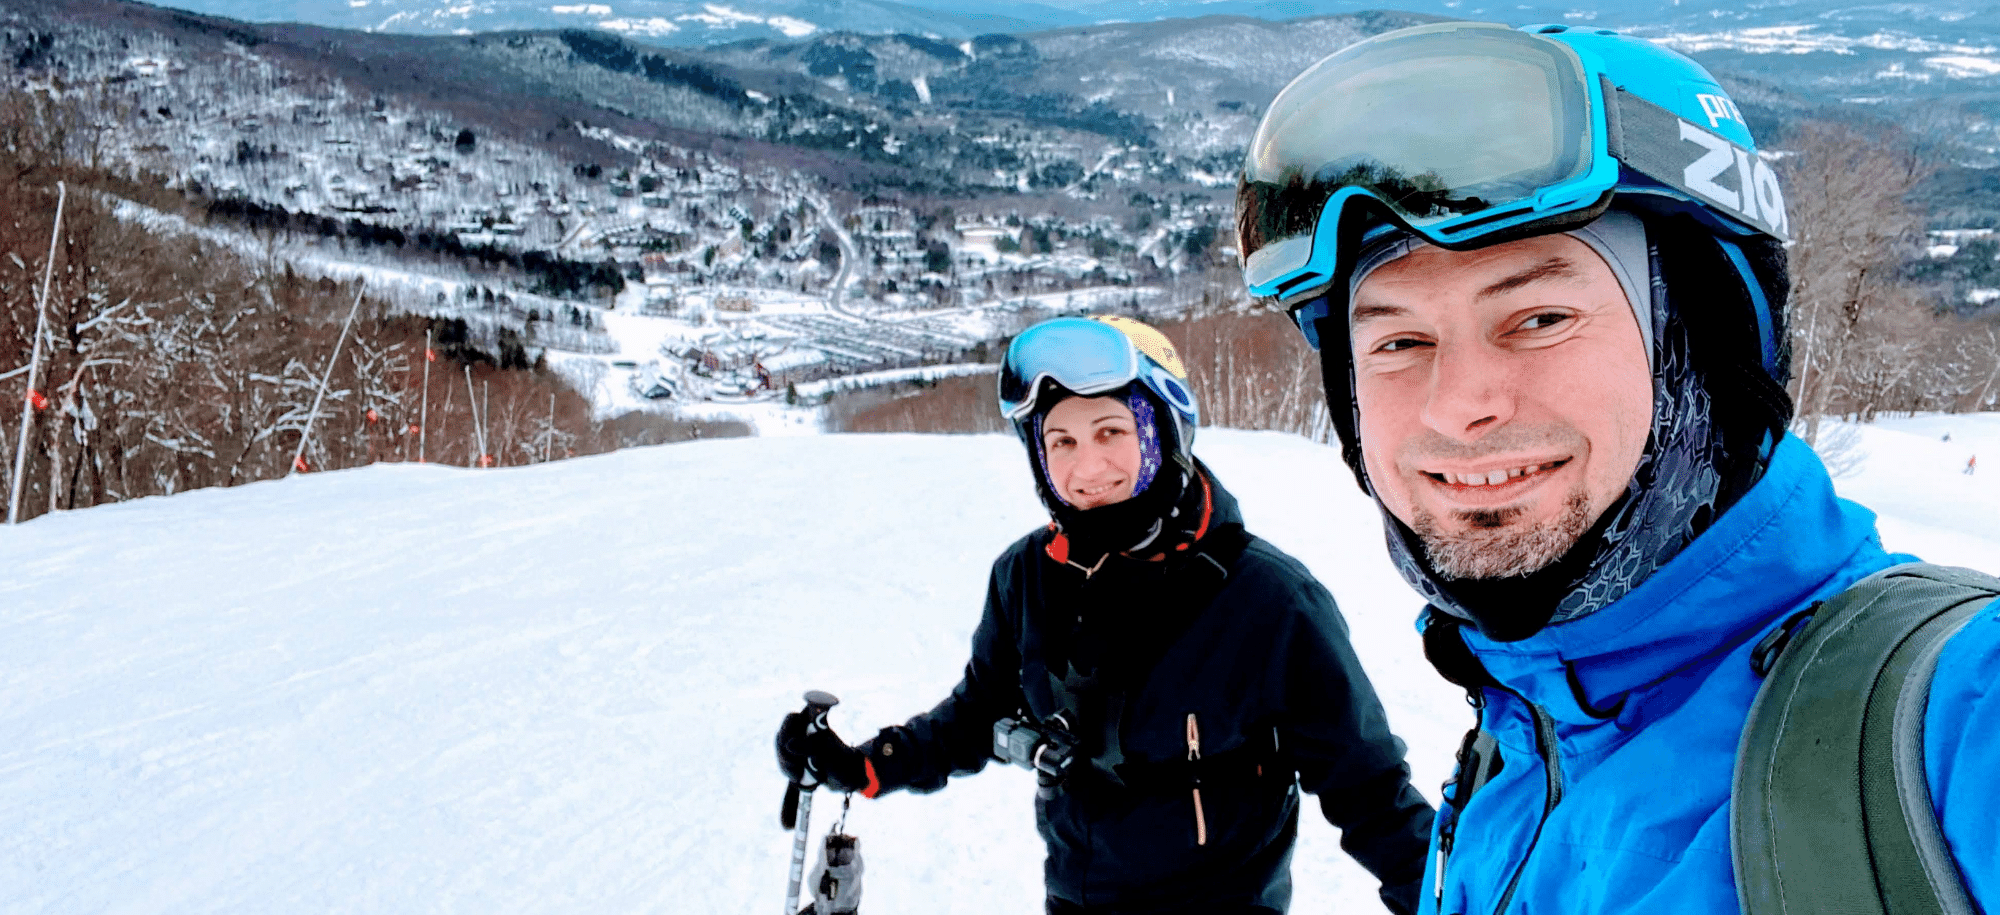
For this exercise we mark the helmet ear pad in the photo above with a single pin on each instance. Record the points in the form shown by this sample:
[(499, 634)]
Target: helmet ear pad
[(1713, 299)]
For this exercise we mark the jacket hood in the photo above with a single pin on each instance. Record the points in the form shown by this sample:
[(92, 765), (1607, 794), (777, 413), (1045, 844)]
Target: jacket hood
[(1789, 541), (1200, 507)]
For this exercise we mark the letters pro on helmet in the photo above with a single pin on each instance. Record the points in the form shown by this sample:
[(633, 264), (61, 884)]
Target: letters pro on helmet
[(1469, 134)]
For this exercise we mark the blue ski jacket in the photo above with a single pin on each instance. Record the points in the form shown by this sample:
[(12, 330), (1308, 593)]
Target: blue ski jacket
[(1618, 731)]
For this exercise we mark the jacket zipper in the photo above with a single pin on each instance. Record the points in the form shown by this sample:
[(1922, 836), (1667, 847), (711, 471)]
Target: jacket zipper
[(1445, 835), (1456, 797), (1194, 766), (1545, 746)]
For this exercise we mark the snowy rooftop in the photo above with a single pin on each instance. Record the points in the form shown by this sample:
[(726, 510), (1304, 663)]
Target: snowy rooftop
[(792, 358)]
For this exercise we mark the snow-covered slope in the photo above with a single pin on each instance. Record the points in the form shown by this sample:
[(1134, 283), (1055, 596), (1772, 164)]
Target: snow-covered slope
[(552, 689), (1916, 480)]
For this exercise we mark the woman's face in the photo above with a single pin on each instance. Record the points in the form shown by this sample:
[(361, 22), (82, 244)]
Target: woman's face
[(1092, 444)]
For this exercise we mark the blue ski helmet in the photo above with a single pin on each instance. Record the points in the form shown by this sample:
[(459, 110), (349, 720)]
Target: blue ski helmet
[(1468, 134), (1464, 135)]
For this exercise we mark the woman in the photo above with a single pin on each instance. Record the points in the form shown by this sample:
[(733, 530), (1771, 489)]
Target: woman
[(1173, 680)]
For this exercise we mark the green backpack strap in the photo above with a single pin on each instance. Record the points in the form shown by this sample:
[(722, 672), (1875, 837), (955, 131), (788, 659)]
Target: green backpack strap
[(1831, 803)]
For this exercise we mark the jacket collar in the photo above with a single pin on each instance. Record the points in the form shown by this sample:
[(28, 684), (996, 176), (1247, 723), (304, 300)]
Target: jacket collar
[(1203, 508), (1788, 541)]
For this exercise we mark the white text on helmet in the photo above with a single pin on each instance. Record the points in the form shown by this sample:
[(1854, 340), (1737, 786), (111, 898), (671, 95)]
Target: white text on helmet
[(1719, 108), (1756, 197)]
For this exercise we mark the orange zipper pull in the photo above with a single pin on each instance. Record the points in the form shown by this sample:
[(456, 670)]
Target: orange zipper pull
[(1194, 757)]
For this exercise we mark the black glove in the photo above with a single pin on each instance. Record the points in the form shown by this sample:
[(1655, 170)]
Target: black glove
[(1402, 900), (819, 757)]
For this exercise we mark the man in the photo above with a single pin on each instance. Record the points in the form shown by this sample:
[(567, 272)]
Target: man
[(1544, 270), (1173, 680)]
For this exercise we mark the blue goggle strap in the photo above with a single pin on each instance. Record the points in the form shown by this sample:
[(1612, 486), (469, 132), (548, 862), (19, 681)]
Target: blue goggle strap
[(1014, 410)]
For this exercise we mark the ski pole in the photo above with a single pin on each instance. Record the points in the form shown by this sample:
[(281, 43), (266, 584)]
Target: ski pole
[(796, 814)]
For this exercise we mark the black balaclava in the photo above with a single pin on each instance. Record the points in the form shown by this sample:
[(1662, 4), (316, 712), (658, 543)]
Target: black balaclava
[(1705, 450), (1137, 523)]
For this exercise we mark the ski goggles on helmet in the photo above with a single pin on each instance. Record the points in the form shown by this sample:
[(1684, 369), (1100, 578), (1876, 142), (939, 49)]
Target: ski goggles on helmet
[(1467, 134), (1087, 357)]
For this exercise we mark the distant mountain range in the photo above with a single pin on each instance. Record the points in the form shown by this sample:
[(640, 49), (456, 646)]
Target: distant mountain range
[(667, 22), (697, 22), (1167, 101)]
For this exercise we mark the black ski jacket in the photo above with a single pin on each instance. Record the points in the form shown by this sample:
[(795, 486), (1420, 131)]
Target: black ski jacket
[(1231, 641)]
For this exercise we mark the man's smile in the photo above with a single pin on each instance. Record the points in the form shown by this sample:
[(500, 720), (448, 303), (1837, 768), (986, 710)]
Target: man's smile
[(1494, 484)]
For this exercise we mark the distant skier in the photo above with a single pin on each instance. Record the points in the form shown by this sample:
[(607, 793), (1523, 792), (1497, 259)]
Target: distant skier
[(1172, 679), (1971, 464), (1545, 270)]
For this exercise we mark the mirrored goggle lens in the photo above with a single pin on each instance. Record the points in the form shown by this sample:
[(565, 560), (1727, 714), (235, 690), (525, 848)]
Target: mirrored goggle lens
[(1084, 356), (1438, 123)]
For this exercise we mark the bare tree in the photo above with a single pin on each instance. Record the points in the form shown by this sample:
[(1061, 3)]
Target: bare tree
[(172, 363), (1854, 227)]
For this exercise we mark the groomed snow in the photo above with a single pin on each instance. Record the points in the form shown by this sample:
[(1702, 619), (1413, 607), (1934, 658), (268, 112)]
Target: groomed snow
[(552, 689), (1965, 66)]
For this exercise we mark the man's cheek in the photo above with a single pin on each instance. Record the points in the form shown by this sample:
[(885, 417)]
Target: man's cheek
[(1389, 487)]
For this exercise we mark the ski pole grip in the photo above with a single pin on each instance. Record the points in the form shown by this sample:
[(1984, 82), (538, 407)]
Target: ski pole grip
[(818, 703), (788, 816)]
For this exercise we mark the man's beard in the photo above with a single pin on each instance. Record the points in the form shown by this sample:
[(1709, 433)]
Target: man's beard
[(1498, 544)]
